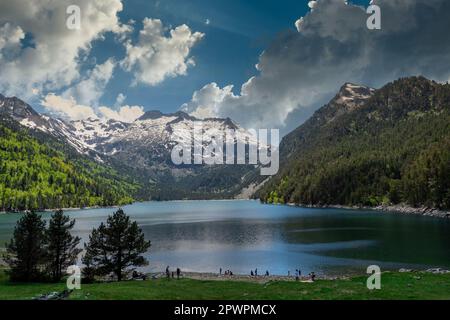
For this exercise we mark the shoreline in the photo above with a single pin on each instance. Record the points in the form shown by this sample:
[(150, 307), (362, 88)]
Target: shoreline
[(399, 209), (262, 279), (66, 209), (211, 276), (423, 211), (128, 204)]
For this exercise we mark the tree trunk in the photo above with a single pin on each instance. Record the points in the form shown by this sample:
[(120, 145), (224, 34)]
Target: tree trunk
[(119, 267)]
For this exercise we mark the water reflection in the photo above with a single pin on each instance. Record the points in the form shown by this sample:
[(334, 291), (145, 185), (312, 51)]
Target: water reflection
[(244, 235)]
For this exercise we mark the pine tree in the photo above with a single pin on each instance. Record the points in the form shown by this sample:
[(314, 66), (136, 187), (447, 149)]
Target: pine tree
[(25, 252), (116, 247), (62, 248)]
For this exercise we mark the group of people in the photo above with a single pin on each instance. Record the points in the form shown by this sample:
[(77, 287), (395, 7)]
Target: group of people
[(168, 273), (255, 273), (226, 273), (298, 274)]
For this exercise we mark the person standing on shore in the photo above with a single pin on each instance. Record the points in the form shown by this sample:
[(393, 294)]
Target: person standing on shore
[(167, 272), (256, 272), (178, 273), (220, 271)]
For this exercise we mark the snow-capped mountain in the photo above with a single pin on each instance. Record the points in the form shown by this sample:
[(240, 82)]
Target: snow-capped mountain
[(349, 98), (28, 117), (149, 138), (143, 147), (147, 141), (352, 95)]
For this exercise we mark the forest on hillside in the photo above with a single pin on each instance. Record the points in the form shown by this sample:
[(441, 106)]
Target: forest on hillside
[(34, 175), (395, 149)]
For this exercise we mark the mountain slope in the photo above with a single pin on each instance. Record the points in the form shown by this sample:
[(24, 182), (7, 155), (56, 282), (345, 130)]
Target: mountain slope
[(141, 149), (144, 147), (24, 114), (392, 147), (36, 174), (349, 98)]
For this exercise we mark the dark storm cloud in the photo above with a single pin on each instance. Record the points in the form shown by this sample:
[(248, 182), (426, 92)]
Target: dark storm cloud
[(303, 68)]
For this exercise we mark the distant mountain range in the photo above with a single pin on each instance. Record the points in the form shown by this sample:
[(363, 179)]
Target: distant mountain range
[(108, 137), (139, 150), (365, 147), (370, 147), (39, 171)]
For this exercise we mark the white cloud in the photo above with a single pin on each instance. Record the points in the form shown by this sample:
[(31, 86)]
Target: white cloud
[(51, 58), (10, 37), (120, 99), (312, 4), (89, 90), (156, 56), (67, 108), (206, 102), (256, 106), (70, 109), (298, 24), (302, 69), (124, 114)]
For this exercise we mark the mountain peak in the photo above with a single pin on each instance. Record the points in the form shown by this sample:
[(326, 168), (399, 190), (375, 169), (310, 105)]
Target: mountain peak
[(183, 115), (152, 114), (156, 114), (16, 108), (356, 91), (352, 95)]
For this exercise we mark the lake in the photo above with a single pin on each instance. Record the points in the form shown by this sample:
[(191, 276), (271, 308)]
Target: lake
[(242, 235)]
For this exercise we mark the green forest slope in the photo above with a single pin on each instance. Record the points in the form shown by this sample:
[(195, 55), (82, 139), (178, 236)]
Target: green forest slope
[(394, 149), (38, 173)]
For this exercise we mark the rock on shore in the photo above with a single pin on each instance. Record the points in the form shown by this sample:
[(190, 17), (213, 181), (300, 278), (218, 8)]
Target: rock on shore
[(424, 211), (399, 208)]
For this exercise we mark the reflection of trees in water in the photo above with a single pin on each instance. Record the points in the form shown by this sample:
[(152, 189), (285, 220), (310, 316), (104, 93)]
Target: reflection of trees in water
[(234, 233), (328, 229), (372, 236)]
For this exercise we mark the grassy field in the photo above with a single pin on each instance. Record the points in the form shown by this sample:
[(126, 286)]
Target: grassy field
[(402, 286)]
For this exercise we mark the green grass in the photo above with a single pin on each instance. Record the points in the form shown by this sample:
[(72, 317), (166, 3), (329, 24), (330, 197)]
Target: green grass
[(394, 286)]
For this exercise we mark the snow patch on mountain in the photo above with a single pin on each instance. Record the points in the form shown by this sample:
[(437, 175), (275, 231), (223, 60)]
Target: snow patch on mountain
[(151, 136), (353, 95)]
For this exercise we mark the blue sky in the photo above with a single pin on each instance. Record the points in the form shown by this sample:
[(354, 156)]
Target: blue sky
[(236, 35), (201, 55)]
